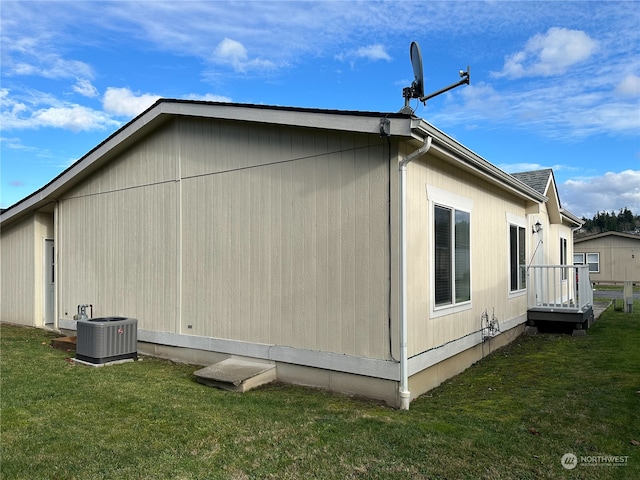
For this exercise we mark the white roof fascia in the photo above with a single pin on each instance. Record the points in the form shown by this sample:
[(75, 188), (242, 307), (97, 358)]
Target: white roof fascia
[(570, 217), (595, 236), (359, 122), (470, 160)]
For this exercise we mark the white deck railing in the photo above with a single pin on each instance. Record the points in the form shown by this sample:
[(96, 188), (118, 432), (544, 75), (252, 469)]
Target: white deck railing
[(559, 287)]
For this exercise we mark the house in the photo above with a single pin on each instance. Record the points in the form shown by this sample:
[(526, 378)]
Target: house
[(612, 257), (366, 253), (557, 292)]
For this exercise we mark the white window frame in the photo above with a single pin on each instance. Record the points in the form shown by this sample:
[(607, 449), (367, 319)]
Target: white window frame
[(564, 253), (588, 263), (442, 198), (520, 222)]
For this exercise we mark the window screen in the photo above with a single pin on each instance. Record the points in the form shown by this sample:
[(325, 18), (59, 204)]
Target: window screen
[(442, 235), (517, 258), (452, 256)]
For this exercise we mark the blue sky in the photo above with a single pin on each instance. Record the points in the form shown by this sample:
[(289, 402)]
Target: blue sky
[(553, 84)]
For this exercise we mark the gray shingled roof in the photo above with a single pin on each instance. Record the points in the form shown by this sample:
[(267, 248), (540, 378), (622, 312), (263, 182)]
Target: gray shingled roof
[(537, 179)]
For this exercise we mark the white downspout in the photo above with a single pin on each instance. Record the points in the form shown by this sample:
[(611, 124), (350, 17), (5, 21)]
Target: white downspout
[(405, 394)]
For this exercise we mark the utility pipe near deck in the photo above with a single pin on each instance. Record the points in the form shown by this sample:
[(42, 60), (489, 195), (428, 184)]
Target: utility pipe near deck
[(405, 394)]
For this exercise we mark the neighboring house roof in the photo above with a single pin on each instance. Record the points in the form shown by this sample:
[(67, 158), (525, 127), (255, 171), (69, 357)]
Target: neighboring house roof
[(543, 181), (594, 236), (412, 129)]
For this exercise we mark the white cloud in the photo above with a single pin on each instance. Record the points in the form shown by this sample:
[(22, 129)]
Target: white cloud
[(208, 97), (15, 143), (482, 97), (85, 88), (74, 117), (42, 110), (232, 52), (34, 59), (71, 117), (549, 54), (609, 192), (629, 86), (569, 110), (124, 102), (372, 53)]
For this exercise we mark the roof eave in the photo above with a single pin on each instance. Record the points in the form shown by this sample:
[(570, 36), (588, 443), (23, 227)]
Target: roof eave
[(163, 109), (570, 218), (595, 236), (471, 161), (342, 120)]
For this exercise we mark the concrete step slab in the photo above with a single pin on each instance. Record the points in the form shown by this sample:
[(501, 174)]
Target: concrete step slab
[(236, 375)]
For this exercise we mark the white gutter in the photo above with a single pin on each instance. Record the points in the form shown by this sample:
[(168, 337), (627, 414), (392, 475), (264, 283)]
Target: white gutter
[(460, 155), (405, 394)]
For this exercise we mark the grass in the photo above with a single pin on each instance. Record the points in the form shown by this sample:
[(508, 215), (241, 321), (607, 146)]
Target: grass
[(511, 416)]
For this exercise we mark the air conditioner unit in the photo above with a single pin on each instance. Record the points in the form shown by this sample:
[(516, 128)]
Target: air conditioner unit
[(107, 339)]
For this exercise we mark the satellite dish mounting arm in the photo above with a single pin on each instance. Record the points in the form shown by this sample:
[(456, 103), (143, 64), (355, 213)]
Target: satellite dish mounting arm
[(465, 81)]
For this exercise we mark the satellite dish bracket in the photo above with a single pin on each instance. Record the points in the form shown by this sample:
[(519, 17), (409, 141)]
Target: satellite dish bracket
[(466, 77)]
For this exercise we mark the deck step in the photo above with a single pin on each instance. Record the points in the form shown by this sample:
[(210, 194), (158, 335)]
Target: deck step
[(236, 375)]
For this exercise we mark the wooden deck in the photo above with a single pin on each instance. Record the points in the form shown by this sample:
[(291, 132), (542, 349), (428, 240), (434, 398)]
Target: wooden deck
[(560, 293)]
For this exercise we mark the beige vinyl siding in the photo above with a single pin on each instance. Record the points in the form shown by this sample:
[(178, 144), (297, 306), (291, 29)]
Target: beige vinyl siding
[(119, 255), (489, 260), (619, 258), (285, 237), (22, 247), (150, 161), (231, 230), (118, 235), (18, 273)]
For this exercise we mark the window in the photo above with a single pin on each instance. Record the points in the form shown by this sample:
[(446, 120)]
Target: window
[(452, 256), (517, 258), (563, 256), (450, 245), (593, 260)]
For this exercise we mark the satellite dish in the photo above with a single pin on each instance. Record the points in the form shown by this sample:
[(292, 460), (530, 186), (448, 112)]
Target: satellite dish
[(416, 90), (417, 87)]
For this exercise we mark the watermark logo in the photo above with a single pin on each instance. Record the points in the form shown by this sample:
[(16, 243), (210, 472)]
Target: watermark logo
[(570, 461)]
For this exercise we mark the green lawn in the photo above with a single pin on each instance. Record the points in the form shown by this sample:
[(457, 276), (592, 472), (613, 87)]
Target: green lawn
[(511, 416)]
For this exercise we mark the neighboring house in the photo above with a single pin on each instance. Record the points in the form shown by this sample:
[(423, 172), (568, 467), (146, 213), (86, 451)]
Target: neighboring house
[(365, 253), (613, 257)]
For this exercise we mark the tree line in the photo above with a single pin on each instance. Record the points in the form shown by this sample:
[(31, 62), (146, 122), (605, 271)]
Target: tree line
[(623, 221)]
